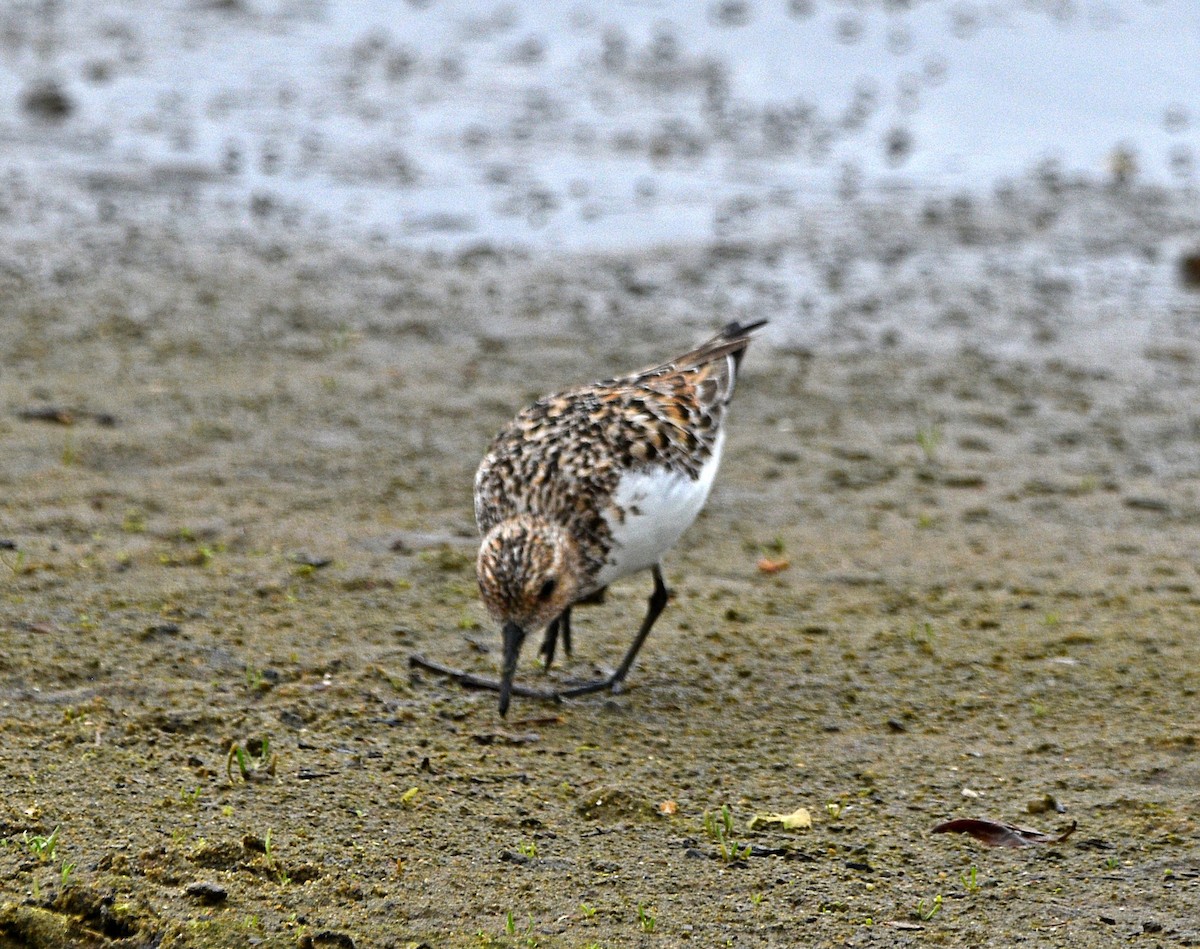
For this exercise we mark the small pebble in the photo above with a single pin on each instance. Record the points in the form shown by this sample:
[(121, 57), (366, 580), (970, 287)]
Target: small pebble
[(207, 892)]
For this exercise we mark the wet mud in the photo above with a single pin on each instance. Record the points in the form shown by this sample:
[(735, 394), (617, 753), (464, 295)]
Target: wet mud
[(931, 583)]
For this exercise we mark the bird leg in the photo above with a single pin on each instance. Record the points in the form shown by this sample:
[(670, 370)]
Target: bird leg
[(658, 600), (560, 623), (566, 631)]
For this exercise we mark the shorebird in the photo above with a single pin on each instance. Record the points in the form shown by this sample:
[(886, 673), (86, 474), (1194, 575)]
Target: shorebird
[(593, 484)]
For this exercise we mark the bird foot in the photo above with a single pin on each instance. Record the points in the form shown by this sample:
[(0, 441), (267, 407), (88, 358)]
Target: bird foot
[(611, 683), (469, 680)]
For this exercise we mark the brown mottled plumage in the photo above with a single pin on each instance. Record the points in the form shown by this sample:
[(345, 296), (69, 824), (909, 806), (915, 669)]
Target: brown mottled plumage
[(594, 483)]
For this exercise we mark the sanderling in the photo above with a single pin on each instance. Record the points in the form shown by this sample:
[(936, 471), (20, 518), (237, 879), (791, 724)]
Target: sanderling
[(593, 484)]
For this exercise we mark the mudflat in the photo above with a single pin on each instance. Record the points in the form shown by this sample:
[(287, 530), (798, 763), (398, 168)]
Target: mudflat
[(931, 583)]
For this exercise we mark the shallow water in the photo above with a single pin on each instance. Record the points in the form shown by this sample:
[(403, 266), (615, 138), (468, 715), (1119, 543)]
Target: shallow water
[(581, 126)]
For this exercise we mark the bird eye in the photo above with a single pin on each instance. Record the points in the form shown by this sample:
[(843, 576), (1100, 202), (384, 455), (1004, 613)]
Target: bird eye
[(547, 589)]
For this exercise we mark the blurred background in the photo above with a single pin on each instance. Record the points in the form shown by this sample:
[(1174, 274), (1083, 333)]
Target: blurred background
[(1052, 147), (580, 125)]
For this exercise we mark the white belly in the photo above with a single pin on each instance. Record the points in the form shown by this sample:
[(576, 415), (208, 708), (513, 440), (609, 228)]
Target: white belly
[(659, 506)]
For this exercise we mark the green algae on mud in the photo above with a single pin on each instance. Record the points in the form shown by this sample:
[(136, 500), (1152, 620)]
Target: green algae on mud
[(967, 625)]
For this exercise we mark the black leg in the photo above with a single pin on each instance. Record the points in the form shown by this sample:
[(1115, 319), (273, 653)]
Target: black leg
[(560, 623), (658, 600), (471, 681), (566, 631)]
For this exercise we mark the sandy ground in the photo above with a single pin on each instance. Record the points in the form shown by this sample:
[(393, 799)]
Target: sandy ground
[(235, 498)]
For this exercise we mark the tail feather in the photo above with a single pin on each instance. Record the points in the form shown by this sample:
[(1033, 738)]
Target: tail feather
[(736, 329), (731, 341), (741, 331)]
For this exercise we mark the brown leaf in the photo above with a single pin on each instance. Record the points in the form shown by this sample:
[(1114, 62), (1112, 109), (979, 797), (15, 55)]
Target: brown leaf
[(998, 834), (767, 565)]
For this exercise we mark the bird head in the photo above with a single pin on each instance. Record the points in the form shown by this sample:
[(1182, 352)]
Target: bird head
[(528, 570)]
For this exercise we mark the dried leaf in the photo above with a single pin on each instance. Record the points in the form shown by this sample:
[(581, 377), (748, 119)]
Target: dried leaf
[(799, 819), (998, 834), (767, 565)]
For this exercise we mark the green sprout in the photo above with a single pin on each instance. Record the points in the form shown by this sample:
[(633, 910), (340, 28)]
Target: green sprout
[(721, 830), (927, 913), (255, 680), (510, 928), (272, 864), (43, 847), (251, 766), (64, 873), (922, 636)]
